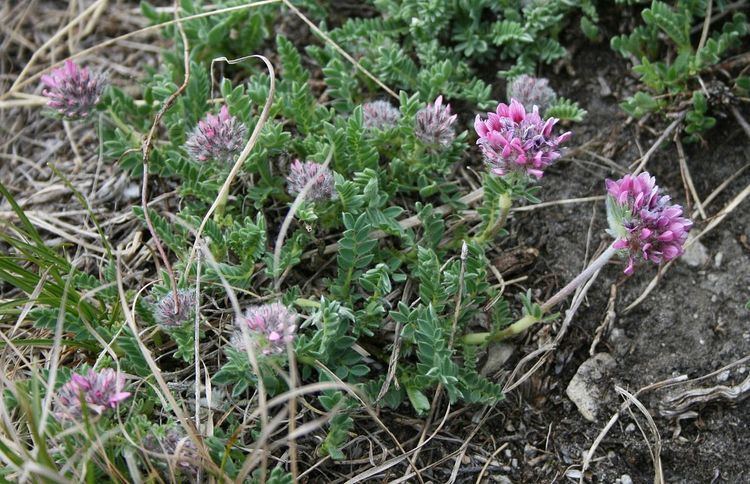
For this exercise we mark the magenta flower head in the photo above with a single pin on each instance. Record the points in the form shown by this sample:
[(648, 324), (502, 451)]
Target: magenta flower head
[(433, 124), (171, 315), (175, 445), (644, 222), (270, 327), (73, 91), (99, 390), (516, 141), (531, 91), (301, 173), (379, 115), (219, 137)]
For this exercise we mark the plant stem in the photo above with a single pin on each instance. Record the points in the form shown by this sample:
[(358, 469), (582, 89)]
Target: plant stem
[(512, 330), (119, 123), (220, 205), (529, 320), (504, 203), (580, 279)]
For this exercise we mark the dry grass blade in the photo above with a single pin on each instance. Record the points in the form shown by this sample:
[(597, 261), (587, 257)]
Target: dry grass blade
[(60, 34), (374, 471), (625, 405), (656, 449), (14, 90), (640, 164), (676, 405), (263, 118), (687, 178), (166, 393), (487, 464)]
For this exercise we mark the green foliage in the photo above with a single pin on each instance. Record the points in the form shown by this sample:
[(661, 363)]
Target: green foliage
[(675, 65), (351, 267), (565, 109), (433, 48)]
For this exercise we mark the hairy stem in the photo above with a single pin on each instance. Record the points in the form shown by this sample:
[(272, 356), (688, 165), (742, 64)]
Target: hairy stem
[(529, 320), (580, 279), (504, 203)]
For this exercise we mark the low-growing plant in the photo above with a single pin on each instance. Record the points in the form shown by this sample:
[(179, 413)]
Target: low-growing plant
[(330, 251)]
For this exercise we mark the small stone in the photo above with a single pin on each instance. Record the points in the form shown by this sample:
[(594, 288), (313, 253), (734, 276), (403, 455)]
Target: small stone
[(502, 479), (497, 355), (696, 255), (619, 340), (132, 191), (514, 463), (529, 451), (508, 453), (573, 474), (718, 258), (588, 388), (630, 428), (625, 479), (723, 376)]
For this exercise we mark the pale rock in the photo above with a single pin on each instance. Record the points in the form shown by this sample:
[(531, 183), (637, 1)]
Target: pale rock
[(589, 386), (497, 355), (696, 255)]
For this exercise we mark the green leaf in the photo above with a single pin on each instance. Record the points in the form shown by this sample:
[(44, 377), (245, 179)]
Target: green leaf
[(418, 400)]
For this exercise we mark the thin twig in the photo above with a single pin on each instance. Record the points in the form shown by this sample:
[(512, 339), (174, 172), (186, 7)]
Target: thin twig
[(146, 151), (641, 163), (686, 175)]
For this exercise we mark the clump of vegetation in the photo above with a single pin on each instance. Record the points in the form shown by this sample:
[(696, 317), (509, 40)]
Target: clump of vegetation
[(309, 249), (684, 60)]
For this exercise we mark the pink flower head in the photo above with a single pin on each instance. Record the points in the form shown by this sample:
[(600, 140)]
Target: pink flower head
[(531, 91), (644, 222), (433, 124), (514, 141), (379, 115), (169, 316), (73, 91), (300, 173), (219, 137), (271, 327), (99, 390)]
